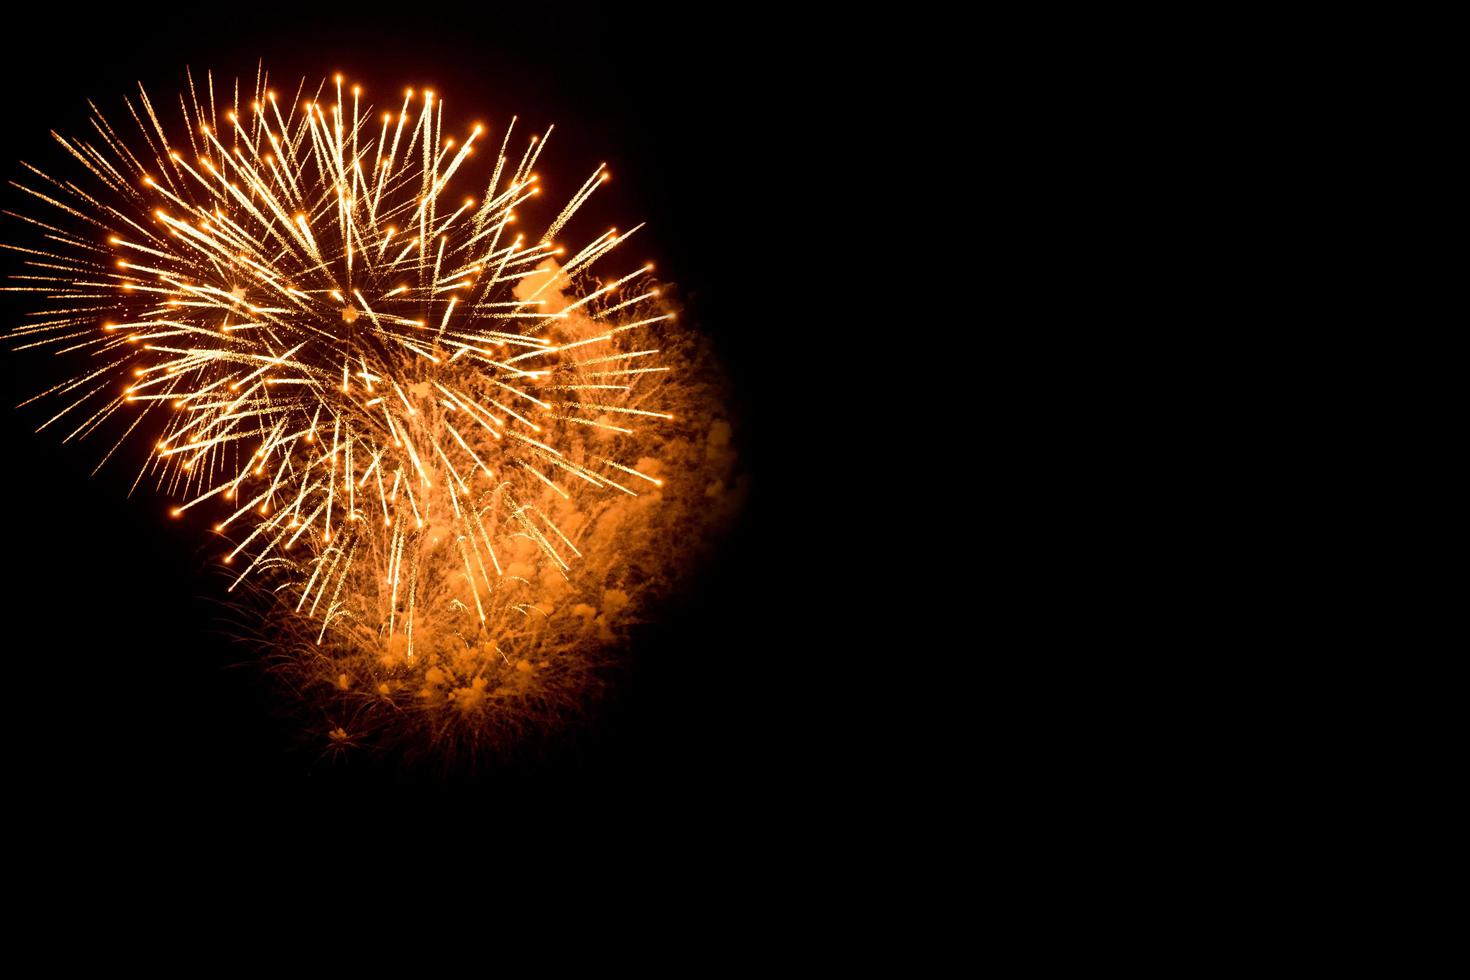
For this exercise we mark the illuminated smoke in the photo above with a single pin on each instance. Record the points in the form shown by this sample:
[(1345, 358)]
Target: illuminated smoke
[(432, 442)]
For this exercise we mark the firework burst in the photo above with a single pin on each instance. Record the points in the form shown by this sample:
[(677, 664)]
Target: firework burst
[(402, 413)]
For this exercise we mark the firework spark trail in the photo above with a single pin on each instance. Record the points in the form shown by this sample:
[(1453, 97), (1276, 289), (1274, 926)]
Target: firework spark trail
[(293, 304)]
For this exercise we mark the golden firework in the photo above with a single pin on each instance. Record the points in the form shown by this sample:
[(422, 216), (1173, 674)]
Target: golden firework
[(398, 406)]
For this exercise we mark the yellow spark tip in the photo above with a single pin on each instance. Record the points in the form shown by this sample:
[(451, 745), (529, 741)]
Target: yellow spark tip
[(176, 512)]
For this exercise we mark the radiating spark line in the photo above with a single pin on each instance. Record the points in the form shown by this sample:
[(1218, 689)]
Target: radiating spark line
[(281, 267)]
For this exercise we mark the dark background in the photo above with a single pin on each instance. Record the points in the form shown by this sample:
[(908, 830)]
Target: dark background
[(119, 696)]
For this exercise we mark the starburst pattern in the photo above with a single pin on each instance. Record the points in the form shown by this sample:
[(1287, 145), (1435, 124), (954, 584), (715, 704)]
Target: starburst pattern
[(355, 370)]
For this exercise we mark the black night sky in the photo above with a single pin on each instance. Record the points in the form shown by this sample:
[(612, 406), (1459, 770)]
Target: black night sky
[(118, 691)]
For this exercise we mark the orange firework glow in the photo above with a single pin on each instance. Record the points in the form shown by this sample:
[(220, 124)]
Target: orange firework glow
[(401, 409)]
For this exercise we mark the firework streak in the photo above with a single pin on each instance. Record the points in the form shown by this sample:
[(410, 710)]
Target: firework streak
[(343, 364)]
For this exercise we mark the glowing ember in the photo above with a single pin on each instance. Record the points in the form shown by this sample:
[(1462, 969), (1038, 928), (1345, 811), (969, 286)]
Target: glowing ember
[(400, 406)]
